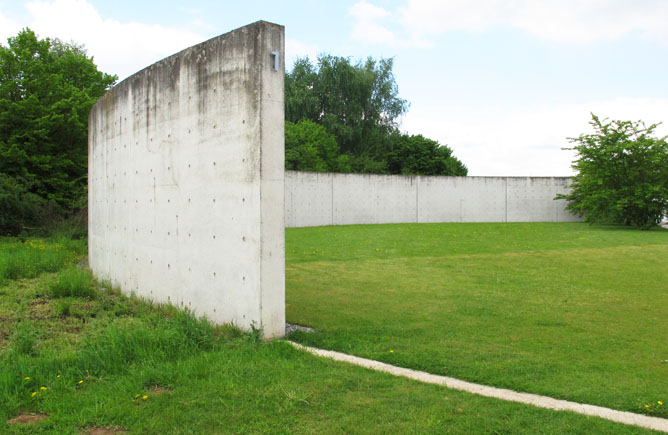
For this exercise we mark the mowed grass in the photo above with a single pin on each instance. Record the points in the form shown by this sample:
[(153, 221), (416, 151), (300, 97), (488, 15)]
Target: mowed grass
[(568, 310), (88, 357)]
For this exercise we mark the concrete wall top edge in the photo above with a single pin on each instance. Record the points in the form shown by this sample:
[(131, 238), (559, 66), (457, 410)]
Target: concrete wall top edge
[(125, 83), (522, 177)]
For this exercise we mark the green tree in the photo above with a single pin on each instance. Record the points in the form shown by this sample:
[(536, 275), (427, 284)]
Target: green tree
[(19, 209), (47, 89), (357, 103), (308, 147), (622, 174), (418, 155)]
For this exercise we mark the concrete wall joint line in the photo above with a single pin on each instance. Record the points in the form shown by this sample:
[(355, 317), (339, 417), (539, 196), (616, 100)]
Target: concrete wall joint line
[(417, 199), (506, 199)]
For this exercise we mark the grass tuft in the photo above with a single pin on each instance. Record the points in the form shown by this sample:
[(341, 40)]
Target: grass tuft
[(32, 257), (23, 339), (73, 282)]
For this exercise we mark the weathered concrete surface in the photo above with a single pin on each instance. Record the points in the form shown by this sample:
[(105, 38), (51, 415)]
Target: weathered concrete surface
[(314, 199), (365, 199), (186, 180)]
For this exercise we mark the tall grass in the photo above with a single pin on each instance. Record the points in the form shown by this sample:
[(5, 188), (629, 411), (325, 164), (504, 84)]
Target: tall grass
[(160, 334), (73, 281), (32, 257)]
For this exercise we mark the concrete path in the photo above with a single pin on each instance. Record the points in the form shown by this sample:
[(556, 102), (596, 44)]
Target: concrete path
[(630, 418)]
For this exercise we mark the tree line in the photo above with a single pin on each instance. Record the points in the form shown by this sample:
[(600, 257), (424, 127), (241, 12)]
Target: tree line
[(47, 88), (341, 116)]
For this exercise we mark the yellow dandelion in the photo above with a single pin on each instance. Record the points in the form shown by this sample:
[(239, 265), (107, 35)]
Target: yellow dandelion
[(137, 396), (646, 406), (80, 382), (144, 397), (34, 393), (660, 402), (27, 378), (391, 351), (58, 376), (43, 388)]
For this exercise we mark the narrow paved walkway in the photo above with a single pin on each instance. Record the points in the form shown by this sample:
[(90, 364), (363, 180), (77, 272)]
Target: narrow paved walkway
[(630, 418)]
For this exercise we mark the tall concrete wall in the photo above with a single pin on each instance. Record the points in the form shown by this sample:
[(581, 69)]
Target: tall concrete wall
[(313, 199), (186, 180)]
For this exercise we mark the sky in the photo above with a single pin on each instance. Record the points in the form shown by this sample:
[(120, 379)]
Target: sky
[(504, 83)]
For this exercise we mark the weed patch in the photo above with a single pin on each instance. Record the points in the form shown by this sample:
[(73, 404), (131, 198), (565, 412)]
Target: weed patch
[(30, 258), (73, 282)]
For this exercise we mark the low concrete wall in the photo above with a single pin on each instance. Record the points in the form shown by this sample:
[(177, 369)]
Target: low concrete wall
[(186, 180), (314, 199)]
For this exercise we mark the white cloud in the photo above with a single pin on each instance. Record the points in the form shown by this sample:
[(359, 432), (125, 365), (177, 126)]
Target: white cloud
[(369, 30), (565, 21), (366, 27), (524, 142), (295, 49), (118, 48), (578, 21), (428, 18), (8, 28)]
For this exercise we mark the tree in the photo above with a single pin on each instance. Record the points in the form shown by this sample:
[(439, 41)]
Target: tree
[(308, 147), (19, 208), (356, 103), (421, 156), (622, 174), (47, 89)]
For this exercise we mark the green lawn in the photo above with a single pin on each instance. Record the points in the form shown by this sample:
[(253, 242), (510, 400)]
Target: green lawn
[(90, 359), (569, 310)]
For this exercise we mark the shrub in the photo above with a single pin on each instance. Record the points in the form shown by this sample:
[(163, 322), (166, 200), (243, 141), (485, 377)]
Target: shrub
[(20, 209), (622, 174)]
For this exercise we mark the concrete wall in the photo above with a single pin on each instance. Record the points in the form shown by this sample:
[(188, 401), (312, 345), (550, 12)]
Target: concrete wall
[(186, 180), (313, 199)]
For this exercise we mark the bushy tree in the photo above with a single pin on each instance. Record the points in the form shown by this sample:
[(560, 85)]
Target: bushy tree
[(308, 147), (20, 209), (47, 89), (622, 174), (418, 155), (357, 103)]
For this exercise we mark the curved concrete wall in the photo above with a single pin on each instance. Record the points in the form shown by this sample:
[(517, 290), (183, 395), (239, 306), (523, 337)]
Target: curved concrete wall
[(314, 199), (186, 180)]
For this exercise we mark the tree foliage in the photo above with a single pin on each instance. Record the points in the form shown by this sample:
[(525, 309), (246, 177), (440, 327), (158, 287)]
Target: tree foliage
[(421, 156), (622, 174), (47, 89), (356, 103), (19, 208), (308, 147)]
